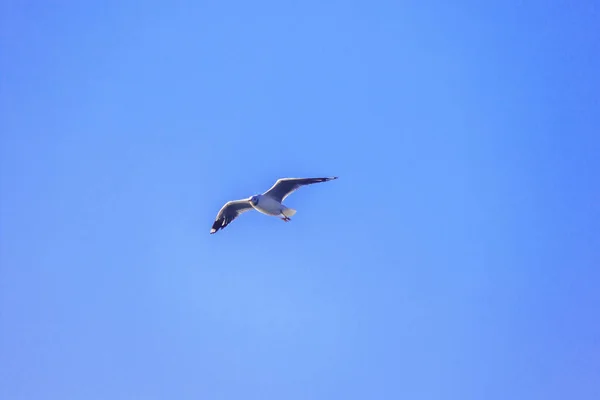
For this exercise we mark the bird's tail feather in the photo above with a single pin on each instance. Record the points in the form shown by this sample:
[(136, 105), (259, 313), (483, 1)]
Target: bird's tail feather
[(289, 212)]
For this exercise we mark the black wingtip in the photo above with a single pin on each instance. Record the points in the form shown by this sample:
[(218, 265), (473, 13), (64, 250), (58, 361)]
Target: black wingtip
[(218, 224)]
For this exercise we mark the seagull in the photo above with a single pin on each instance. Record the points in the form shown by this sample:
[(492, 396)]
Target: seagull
[(268, 203)]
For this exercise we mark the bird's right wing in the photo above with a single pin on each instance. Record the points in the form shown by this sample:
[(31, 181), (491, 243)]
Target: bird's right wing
[(230, 211)]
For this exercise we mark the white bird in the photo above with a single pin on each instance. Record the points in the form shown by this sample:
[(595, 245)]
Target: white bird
[(268, 203)]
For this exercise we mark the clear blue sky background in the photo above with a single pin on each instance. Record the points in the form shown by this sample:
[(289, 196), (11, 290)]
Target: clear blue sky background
[(457, 257)]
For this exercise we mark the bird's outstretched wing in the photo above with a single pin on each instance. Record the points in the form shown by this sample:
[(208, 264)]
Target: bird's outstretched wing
[(230, 211), (286, 186)]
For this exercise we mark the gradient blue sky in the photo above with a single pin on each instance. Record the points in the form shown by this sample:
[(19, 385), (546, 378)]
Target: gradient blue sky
[(457, 257)]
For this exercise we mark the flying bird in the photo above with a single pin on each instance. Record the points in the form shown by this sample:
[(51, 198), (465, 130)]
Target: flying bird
[(268, 203)]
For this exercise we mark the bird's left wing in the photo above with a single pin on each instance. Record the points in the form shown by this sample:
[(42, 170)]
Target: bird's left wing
[(230, 211), (286, 186)]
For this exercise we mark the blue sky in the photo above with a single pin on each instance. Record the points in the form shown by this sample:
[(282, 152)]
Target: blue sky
[(455, 258)]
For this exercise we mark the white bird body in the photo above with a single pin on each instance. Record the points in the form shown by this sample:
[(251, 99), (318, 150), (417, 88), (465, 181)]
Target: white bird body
[(268, 203)]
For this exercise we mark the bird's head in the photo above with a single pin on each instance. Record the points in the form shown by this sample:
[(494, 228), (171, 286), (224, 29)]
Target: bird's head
[(254, 200)]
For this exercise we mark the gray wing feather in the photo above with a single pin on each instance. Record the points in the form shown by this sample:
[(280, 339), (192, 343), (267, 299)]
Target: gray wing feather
[(286, 186), (230, 211)]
